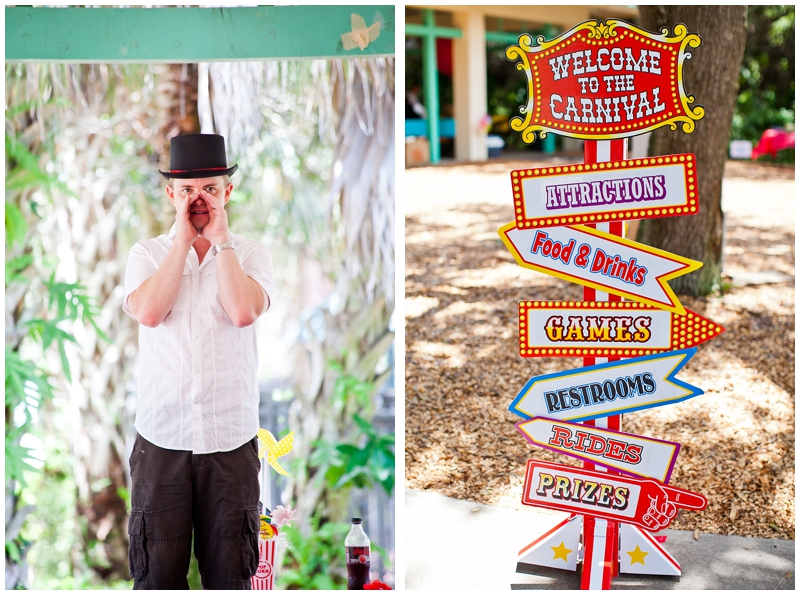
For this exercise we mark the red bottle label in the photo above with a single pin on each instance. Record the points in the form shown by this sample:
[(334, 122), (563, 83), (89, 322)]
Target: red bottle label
[(358, 554)]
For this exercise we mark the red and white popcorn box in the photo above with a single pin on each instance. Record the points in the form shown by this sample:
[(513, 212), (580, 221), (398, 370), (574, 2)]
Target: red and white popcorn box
[(264, 578)]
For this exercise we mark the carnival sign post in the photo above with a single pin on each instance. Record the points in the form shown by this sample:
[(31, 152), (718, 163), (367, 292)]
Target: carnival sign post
[(604, 81)]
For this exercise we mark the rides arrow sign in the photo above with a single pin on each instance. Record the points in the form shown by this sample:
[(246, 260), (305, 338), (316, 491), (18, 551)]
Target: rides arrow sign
[(640, 456)]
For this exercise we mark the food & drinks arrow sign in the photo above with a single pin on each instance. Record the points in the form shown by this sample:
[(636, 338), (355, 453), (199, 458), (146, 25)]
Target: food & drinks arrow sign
[(607, 389), (601, 260), (643, 502), (602, 329), (605, 80), (600, 192)]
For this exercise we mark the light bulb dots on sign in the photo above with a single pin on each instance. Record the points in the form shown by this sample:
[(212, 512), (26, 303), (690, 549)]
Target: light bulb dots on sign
[(669, 110)]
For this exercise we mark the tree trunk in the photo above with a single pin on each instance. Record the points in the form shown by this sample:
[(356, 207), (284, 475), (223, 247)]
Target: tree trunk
[(712, 77), (176, 101)]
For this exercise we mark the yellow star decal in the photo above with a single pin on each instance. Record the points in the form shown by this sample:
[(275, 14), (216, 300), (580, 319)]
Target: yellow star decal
[(274, 449), (560, 551), (637, 555)]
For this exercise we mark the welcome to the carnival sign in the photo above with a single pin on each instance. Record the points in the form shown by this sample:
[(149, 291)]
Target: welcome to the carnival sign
[(604, 80)]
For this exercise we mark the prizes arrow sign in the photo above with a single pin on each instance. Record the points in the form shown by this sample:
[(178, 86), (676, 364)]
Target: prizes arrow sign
[(631, 454), (598, 259), (603, 329), (643, 502), (607, 389)]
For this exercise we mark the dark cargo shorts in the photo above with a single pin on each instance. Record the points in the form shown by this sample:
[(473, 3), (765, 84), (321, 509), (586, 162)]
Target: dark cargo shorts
[(175, 492)]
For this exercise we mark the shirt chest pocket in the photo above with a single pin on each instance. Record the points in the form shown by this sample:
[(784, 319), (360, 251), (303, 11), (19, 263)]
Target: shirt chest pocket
[(198, 293), (183, 301), (209, 295)]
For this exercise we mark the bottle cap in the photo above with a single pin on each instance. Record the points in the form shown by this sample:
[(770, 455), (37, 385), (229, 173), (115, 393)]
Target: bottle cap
[(356, 520)]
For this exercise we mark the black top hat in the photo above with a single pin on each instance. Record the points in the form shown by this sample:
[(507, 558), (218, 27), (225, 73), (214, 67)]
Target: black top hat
[(197, 156)]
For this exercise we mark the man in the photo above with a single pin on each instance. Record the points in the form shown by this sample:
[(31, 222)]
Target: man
[(196, 292)]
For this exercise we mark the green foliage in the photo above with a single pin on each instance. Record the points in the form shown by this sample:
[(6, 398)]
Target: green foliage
[(346, 463), (349, 465), (316, 561), (361, 458), (51, 526), (347, 386), (766, 82), (16, 226), (41, 319)]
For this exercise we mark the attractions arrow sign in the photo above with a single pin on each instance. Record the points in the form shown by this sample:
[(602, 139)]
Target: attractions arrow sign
[(603, 329), (605, 80), (607, 389), (598, 259), (642, 502), (639, 456), (599, 192)]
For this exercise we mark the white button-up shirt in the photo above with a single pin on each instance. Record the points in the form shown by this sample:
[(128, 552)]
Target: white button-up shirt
[(196, 384)]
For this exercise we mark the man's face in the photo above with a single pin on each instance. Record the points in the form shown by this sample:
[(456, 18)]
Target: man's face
[(198, 208)]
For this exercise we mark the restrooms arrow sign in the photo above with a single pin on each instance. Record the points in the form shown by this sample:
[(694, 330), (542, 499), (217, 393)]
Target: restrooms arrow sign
[(600, 260), (607, 389)]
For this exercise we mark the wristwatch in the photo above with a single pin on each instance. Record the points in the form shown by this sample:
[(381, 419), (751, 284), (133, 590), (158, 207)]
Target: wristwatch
[(223, 246)]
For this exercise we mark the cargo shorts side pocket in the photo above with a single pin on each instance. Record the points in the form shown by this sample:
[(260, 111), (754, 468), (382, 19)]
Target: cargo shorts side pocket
[(134, 452), (252, 525), (137, 558)]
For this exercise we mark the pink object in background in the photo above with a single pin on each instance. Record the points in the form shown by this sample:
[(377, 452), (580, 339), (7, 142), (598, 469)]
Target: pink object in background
[(772, 141), (264, 578)]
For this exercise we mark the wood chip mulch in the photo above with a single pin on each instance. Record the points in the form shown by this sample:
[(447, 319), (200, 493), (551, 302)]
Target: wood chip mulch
[(463, 369)]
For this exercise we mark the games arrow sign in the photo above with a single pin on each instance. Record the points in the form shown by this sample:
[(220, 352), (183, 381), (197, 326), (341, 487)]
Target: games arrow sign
[(598, 259), (642, 502), (639, 456), (607, 389), (602, 329), (598, 192)]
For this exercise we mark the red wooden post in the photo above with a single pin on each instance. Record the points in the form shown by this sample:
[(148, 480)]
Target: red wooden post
[(601, 563)]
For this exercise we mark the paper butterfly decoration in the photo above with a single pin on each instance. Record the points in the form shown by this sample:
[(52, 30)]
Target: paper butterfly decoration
[(274, 448)]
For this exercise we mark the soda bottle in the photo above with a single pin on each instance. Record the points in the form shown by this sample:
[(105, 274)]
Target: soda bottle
[(356, 546)]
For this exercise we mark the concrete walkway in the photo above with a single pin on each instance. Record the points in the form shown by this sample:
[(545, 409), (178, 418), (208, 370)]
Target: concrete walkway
[(453, 544)]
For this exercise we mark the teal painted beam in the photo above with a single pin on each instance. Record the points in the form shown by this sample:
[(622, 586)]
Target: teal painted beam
[(499, 37), (430, 74), (94, 35), (424, 30)]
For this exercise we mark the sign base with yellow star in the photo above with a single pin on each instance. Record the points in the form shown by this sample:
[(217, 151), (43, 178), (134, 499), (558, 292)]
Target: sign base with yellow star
[(640, 553), (558, 548)]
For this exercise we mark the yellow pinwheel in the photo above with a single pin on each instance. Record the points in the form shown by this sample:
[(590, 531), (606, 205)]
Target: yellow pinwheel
[(274, 448)]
